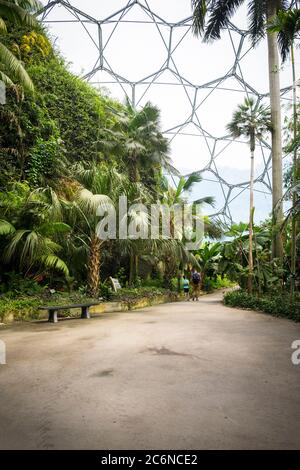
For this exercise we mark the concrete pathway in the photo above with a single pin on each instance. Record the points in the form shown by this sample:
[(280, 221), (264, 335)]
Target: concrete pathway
[(176, 376)]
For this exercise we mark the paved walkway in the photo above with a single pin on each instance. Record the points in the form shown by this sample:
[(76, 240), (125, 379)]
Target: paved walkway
[(185, 375)]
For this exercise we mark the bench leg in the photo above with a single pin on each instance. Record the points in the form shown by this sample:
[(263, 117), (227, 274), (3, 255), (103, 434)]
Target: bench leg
[(85, 313), (53, 316)]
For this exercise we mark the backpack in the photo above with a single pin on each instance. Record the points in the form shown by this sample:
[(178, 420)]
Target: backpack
[(196, 278)]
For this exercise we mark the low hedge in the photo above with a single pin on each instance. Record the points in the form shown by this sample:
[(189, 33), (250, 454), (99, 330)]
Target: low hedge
[(139, 292), (279, 306), (26, 308)]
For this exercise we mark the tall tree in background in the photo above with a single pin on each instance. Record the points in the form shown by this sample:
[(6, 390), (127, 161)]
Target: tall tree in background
[(210, 18), (16, 12), (99, 187), (287, 25), (250, 120), (137, 137)]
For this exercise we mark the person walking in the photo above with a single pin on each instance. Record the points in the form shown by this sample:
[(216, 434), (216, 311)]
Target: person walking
[(196, 281), (186, 287)]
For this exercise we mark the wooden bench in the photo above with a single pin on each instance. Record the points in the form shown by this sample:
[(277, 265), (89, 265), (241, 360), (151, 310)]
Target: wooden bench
[(54, 309)]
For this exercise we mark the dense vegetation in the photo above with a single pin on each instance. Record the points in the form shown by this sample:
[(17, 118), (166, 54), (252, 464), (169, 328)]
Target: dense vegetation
[(67, 148), (63, 149), (278, 305)]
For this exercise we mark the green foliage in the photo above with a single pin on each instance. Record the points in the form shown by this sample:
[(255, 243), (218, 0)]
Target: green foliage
[(268, 274), (287, 25), (106, 291), (20, 309), (25, 307), (31, 229), (62, 152), (217, 282), (15, 284), (251, 120), (34, 46), (17, 14), (63, 121), (137, 139), (277, 305), (76, 107), (121, 276), (208, 257), (156, 283), (138, 292), (46, 161)]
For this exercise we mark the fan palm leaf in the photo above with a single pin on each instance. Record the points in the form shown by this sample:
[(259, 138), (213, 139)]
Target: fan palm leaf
[(15, 12)]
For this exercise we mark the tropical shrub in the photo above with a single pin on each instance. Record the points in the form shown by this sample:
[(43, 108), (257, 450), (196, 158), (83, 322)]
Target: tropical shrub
[(217, 282), (279, 305)]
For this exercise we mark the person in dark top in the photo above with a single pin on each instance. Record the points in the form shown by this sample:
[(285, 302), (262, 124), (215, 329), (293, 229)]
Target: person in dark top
[(196, 282)]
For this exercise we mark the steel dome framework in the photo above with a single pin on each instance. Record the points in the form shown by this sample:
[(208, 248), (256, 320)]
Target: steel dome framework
[(137, 90)]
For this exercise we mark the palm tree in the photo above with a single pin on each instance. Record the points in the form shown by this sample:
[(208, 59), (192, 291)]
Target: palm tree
[(98, 186), (212, 16), (235, 257), (179, 193), (250, 120), (15, 12), (208, 256), (287, 25), (32, 235), (136, 136)]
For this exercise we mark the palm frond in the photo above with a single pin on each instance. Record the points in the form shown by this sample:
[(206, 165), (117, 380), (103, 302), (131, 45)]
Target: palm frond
[(54, 262), (192, 179), (6, 228), (5, 79), (287, 25), (14, 244), (209, 200), (31, 247), (54, 228), (3, 28), (20, 11), (220, 14), (91, 202), (199, 16), (257, 17), (14, 68)]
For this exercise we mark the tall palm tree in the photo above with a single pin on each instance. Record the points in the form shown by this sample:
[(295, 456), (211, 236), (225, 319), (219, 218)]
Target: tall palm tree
[(287, 25), (16, 12), (251, 120), (137, 137), (99, 186), (208, 256), (212, 16), (179, 193)]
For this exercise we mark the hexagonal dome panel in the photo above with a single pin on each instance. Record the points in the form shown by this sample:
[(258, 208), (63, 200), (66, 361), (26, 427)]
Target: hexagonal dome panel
[(145, 50)]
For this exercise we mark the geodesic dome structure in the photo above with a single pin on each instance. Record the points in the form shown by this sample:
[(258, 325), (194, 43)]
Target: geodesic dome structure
[(145, 50)]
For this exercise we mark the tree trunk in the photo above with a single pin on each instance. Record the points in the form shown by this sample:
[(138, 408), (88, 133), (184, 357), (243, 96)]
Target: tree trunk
[(136, 267), (94, 266), (250, 260), (294, 178), (131, 270), (274, 70), (134, 175)]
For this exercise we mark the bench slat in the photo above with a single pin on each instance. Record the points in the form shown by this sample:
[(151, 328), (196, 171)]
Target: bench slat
[(65, 307)]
